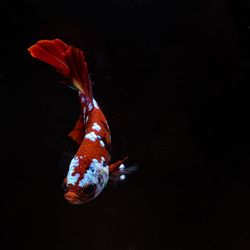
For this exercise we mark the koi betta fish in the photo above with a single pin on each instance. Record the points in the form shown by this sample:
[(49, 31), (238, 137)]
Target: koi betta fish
[(89, 170)]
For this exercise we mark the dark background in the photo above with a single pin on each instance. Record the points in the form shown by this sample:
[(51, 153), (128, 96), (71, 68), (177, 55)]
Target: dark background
[(172, 77)]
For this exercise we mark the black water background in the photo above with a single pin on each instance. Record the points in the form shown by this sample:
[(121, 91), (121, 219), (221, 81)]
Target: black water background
[(173, 81)]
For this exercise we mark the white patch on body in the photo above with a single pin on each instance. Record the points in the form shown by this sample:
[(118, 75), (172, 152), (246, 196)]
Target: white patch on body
[(91, 136), (95, 161), (96, 126), (97, 174), (90, 106), (102, 143), (95, 104), (87, 118), (72, 179)]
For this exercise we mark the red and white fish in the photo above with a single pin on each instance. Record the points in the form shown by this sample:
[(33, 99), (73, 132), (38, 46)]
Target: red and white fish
[(89, 170)]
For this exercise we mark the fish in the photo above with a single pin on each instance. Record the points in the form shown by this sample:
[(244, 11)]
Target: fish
[(89, 170)]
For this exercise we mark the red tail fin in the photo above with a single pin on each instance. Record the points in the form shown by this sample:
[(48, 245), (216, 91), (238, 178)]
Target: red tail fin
[(67, 60)]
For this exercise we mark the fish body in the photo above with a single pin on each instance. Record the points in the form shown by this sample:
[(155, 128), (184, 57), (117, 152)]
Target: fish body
[(90, 168)]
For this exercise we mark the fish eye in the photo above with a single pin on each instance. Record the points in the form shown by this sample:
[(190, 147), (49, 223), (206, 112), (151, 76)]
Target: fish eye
[(89, 189)]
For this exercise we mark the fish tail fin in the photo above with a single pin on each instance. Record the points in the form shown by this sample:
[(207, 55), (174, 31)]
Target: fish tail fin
[(67, 60)]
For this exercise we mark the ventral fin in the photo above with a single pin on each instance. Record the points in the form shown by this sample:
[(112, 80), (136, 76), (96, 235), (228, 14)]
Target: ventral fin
[(121, 173)]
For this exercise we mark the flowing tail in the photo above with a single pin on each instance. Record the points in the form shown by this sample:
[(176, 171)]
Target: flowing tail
[(67, 60)]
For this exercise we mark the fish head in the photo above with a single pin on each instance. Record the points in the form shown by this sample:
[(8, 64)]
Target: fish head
[(80, 195), (90, 185)]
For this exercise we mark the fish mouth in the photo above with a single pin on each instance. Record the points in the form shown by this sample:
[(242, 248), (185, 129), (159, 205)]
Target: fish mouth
[(72, 198)]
